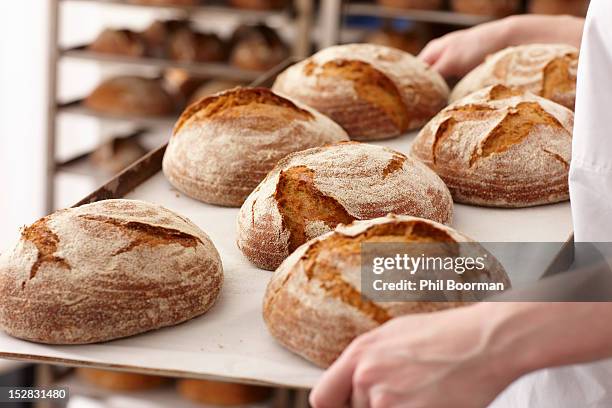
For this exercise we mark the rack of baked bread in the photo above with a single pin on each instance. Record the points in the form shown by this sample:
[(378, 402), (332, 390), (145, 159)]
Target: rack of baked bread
[(233, 252)]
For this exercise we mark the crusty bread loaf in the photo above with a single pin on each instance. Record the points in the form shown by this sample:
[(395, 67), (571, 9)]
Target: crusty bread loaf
[(225, 144), (373, 92), (547, 70), (106, 270), (500, 147), (413, 4), (120, 381), (571, 7), (222, 393), (121, 42), (310, 192), (258, 4), (257, 47), (190, 46), (314, 305), (131, 95), (496, 8)]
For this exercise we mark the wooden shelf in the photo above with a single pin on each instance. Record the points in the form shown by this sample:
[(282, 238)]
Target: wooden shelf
[(217, 70), (207, 6), (429, 16)]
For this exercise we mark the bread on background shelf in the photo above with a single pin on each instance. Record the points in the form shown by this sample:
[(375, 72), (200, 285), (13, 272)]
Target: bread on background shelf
[(310, 192), (223, 145), (547, 70), (212, 87), (117, 154), (500, 147), (119, 380), (373, 92), (219, 393), (106, 270), (492, 8), (257, 47), (131, 95), (313, 304), (413, 4), (571, 7), (259, 4), (119, 42)]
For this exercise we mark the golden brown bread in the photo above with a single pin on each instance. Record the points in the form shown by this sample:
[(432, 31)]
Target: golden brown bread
[(500, 147), (121, 42), (120, 381), (258, 4), (222, 393), (166, 2), (212, 87), (547, 70), (310, 192), (372, 91), (190, 46), (413, 4), (497, 8), (159, 33), (313, 304), (106, 270), (257, 47), (131, 95), (407, 41), (571, 7), (225, 144)]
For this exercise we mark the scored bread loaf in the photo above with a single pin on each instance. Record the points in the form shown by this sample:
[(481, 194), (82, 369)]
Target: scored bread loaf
[(372, 91), (500, 147), (225, 144), (314, 305), (310, 192), (120, 381), (106, 270), (547, 70), (221, 393), (131, 95)]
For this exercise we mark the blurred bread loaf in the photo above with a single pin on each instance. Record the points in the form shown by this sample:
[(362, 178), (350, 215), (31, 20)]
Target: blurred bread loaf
[(314, 305), (258, 4), (257, 47), (118, 380), (191, 46), (131, 95), (500, 147), (413, 4), (212, 87), (571, 7), (547, 70), (120, 42), (222, 393), (496, 8), (117, 154), (223, 145), (106, 270), (310, 192), (373, 92), (159, 33), (407, 41)]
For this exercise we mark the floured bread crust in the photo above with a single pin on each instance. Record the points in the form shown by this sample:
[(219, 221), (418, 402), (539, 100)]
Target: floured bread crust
[(309, 193), (106, 270), (313, 303), (547, 70), (225, 144), (500, 147), (374, 92)]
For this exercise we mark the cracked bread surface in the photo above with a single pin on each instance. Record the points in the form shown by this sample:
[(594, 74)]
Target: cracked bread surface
[(374, 92), (313, 304), (547, 70), (500, 147), (106, 270), (310, 192), (225, 144)]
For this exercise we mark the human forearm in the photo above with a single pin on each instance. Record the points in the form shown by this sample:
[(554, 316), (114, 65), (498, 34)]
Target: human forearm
[(531, 29)]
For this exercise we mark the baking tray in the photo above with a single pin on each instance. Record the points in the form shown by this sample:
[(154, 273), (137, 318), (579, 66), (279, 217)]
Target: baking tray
[(230, 342)]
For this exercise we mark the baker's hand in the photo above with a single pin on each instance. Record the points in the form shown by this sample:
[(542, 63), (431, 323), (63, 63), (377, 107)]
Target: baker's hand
[(458, 52), (433, 360)]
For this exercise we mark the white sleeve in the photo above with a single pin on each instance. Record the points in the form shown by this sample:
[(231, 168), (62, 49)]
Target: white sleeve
[(590, 179)]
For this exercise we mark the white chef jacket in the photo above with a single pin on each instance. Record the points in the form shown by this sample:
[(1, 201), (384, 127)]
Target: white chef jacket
[(590, 182)]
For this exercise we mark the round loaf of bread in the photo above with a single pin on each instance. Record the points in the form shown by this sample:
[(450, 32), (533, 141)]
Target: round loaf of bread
[(131, 95), (120, 381), (413, 4), (225, 144), (222, 393), (257, 47), (547, 70), (500, 147), (106, 270), (121, 42), (496, 8), (372, 91), (310, 192), (190, 46), (314, 305)]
